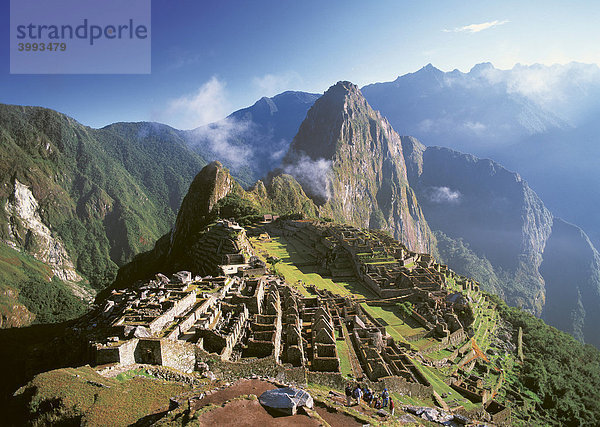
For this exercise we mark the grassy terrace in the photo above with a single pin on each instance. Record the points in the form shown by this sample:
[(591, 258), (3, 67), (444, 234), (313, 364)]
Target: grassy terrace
[(343, 353), (391, 318), (439, 355), (435, 377), (296, 268), (485, 317)]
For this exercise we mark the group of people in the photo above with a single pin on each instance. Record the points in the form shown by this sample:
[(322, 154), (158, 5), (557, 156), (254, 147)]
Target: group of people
[(371, 398)]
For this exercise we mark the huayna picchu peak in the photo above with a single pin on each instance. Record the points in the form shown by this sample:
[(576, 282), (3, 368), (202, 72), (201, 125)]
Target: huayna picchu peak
[(349, 160)]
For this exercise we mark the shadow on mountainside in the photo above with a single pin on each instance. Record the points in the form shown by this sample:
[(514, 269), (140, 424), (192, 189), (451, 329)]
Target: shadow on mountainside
[(26, 352)]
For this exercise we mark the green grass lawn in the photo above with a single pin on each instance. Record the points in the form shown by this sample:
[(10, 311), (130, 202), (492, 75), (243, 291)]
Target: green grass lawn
[(439, 355), (291, 258), (343, 353), (394, 325), (124, 376), (435, 377)]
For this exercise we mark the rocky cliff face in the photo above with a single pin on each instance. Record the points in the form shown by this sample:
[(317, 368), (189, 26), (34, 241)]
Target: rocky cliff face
[(571, 269), (349, 160), (491, 209), (26, 230), (208, 187)]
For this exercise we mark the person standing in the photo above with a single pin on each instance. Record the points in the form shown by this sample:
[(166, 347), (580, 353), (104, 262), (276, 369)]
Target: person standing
[(392, 406), (348, 394), (385, 396), (358, 394)]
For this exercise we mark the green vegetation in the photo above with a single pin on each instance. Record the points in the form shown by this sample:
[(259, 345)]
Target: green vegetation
[(234, 206), (406, 308), (108, 193), (342, 349), (49, 299), (82, 396), (388, 317), (457, 253), (125, 376), (559, 375), (292, 255)]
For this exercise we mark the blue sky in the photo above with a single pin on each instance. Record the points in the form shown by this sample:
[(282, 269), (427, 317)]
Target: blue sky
[(211, 58)]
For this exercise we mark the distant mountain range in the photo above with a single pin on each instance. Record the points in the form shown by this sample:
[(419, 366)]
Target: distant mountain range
[(537, 120), (76, 202)]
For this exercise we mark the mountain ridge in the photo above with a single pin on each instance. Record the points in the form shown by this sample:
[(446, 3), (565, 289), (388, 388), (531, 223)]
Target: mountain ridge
[(100, 194)]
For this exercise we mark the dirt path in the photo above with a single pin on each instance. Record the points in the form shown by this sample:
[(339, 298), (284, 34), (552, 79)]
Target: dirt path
[(335, 418), (239, 388), (250, 413)]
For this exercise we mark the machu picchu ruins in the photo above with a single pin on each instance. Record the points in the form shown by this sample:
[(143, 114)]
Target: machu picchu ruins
[(238, 309)]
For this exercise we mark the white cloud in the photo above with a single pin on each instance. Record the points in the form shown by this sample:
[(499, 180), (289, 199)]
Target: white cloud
[(443, 195), (206, 105), (426, 125), (565, 90), (475, 28), (278, 154), (475, 127), (222, 140), (437, 125), (272, 84), (313, 175)]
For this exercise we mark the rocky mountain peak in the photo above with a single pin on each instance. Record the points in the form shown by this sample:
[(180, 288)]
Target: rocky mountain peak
[(343, 88), (209, 186), (323, 130), (349, 160), (479, 68)]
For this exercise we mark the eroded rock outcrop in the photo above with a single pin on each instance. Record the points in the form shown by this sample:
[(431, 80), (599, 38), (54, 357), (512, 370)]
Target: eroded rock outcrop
[(26, 230), (13, 314)]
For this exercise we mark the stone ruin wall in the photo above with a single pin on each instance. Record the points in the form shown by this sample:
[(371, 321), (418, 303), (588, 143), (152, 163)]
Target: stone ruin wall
[(179, 307)]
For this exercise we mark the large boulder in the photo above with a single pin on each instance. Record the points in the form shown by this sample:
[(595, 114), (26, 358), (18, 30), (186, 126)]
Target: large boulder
[(286, 400)]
